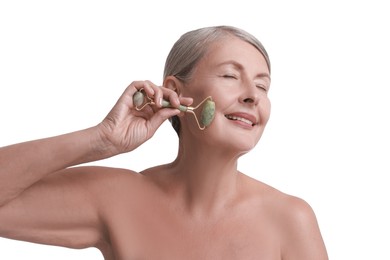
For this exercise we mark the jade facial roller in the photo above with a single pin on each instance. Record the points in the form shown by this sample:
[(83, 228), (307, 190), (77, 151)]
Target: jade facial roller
[(140, 100)]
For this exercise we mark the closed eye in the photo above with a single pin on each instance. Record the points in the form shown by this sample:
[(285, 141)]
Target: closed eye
[(262, 87), (229, 76)]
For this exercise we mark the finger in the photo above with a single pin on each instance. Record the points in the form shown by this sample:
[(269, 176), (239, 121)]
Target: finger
[(172, 97), (160, 93), (138, 85), (161, 115), (146, 86), (187, 101)]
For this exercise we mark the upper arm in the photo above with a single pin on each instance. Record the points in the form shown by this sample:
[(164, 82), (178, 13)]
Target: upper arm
[(301, 234), (58, 210)]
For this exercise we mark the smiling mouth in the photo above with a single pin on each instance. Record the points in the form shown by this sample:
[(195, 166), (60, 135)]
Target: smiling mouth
[(237, 118)]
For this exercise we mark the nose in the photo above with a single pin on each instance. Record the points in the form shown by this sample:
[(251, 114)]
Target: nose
[(249, 100), (250, 95)]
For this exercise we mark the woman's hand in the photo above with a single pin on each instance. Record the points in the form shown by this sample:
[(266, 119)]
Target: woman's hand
[(126, 128)]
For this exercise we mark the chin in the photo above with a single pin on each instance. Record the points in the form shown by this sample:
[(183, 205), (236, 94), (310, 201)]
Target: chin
[(238, 143), (228, 137)]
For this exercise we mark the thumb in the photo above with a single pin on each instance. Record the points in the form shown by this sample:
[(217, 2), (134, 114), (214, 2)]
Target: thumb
[(161, 115)]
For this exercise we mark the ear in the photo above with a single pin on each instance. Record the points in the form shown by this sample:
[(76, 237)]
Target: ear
[(173, 83)]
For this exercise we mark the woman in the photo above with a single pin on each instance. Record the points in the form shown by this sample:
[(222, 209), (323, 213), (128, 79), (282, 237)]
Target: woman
[(197, 207)]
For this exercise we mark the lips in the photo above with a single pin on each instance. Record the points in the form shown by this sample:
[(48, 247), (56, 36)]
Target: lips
[(245, 118)]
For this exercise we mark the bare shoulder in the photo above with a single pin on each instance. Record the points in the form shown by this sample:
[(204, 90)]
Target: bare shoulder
[(289, 209), (103, 181), (102, 172), (293, 220)]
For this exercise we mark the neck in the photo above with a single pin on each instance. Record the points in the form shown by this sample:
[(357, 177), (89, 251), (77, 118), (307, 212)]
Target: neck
[(205, 177)]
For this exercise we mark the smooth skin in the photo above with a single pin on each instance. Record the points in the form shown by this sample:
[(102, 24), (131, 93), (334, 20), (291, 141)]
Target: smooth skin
[(196, 207)]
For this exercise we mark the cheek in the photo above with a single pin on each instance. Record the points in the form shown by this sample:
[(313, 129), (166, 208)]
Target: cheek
[(265, 108)]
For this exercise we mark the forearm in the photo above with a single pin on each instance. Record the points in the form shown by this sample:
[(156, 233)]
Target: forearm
[(21, 165), (123, 130)]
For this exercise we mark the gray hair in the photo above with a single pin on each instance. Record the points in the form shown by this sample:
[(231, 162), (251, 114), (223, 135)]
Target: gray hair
[(193, 45)]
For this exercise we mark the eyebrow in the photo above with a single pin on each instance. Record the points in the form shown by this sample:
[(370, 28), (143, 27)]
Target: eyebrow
[(240, 67)]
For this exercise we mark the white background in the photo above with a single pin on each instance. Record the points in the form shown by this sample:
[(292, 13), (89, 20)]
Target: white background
[(63, 64)]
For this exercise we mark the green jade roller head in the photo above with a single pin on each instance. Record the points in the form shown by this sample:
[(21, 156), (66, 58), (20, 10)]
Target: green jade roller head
[(140, 100)]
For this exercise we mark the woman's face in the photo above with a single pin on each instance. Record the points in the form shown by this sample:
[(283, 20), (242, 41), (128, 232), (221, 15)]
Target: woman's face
[(237, 77)]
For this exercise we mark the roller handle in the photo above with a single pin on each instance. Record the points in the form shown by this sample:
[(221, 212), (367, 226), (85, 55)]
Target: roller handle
[(168, 104), (140, 100)]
